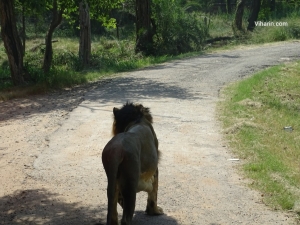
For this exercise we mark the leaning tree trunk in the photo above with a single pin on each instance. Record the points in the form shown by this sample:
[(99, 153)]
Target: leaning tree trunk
[(85, 34), (254, 14), (144, 32), (56, 20), (12, 41), (238, 20)]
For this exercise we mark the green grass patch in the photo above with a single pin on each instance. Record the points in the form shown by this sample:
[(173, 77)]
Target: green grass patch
[(254, 114)]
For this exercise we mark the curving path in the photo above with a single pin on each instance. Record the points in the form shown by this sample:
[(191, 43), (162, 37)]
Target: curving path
[(50, 149)]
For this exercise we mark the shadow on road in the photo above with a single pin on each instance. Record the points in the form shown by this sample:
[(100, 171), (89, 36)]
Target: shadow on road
[(39, 206), (136, 88), (140, 218), (104, 91)]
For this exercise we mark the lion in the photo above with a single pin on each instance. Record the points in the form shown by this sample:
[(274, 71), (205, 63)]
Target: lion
[(130, 160)]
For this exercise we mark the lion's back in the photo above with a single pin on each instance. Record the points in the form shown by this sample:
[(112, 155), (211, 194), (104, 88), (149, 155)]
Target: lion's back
[(142, 135)]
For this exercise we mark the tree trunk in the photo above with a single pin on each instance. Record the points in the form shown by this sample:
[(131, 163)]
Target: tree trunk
[(238, 20), (85, 34), (144, 31), (223, 6), (56, 20), (272, 5), (12, 41), (254, 14), (228, 5), (118, 33), (23, 30)]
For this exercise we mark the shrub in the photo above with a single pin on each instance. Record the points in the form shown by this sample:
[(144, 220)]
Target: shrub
[(294, 29), (5, 78), (177, 31)]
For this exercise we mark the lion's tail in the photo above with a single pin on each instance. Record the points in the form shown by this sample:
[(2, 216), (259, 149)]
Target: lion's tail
[(111, 163)]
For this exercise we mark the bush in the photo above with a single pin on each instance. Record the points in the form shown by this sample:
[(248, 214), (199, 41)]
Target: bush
[(294, 29), (177, 31), (279, 34), (67, 60), (5, 78)]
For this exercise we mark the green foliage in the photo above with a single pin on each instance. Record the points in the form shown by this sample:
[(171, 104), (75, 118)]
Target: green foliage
[(100, 10), (176, 30), (62, 74), (32, 7), (207, 6), (265, 10), (5, 78), (286, 9), (111, 55), (293, 29)]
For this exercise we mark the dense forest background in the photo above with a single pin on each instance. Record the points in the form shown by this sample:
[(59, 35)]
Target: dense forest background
[(55, 43)]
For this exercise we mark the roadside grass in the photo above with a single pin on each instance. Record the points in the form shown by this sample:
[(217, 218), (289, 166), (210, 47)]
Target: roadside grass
[(254, 113)]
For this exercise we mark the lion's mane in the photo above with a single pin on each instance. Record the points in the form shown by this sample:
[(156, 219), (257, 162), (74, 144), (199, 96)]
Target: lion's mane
[(129, 114)]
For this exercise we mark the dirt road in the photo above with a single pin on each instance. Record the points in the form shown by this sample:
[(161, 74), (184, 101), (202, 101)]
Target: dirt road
[(50, 148)]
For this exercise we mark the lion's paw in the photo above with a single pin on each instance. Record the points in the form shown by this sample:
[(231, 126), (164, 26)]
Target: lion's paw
[(159, 211), (156, 211)]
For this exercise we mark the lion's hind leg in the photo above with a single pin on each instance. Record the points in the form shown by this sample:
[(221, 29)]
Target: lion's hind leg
[(129, 198), (152, 208), (128, 186), (112, 214)]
